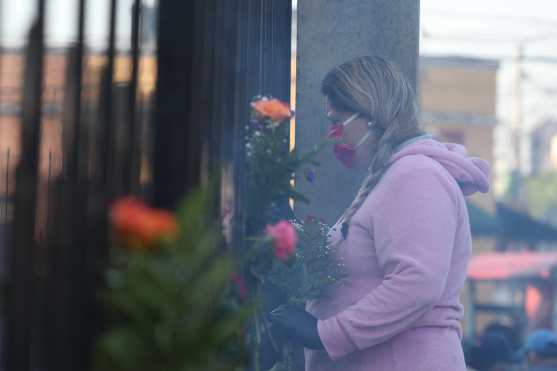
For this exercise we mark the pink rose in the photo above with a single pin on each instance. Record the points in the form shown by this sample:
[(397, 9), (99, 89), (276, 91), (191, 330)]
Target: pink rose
[(284, 237)]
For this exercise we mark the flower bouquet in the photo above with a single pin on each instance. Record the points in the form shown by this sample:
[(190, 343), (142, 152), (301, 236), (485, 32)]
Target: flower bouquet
[(271, 165), (292, 256), (314, 268)]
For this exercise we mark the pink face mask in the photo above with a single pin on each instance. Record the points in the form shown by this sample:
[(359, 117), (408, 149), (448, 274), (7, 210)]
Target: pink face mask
[(345, 153)]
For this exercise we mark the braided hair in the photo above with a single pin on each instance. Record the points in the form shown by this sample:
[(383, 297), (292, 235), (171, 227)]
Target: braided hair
[(377, 90)]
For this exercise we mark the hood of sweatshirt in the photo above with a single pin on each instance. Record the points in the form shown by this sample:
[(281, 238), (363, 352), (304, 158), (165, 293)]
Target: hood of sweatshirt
[(471, 173)]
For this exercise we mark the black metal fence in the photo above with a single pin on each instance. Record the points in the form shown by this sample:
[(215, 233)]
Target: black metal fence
[(119, 135), (7, 166), (56, 185)]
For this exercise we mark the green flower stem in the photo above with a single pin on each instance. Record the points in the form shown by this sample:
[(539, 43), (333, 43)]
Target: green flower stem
[(267, 328), (288, 356), (257, 345), (257, 355)]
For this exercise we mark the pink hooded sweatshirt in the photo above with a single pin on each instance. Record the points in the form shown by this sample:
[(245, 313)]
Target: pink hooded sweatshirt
[(405, 256)]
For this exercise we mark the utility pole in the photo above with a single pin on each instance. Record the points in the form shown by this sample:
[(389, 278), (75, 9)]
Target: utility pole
[(517, 115), (516, 127)]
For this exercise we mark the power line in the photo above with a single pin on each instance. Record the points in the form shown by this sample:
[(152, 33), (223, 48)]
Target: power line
[(538, 59), (491, 16), (545, 89), (489, 39)]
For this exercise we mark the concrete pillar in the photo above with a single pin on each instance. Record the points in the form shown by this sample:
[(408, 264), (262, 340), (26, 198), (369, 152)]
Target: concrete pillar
[(329, 33)]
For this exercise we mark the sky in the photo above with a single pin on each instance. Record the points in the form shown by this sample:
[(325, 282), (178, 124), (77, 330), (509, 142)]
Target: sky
[(494, 29), (16, 16)]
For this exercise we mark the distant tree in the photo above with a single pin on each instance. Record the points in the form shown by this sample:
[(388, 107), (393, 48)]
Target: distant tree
[(541, 195)]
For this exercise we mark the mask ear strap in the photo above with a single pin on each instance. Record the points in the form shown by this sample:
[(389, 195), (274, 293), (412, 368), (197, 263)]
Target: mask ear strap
[(350, 119), (364, 138)]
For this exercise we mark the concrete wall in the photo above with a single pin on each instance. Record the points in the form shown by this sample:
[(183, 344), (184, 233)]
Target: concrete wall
[(329, 33)]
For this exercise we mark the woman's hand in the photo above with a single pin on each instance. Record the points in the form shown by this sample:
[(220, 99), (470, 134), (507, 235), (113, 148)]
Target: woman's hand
[(298, 323)]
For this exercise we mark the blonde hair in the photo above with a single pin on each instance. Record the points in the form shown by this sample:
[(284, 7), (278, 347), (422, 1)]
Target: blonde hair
[(377, 90)]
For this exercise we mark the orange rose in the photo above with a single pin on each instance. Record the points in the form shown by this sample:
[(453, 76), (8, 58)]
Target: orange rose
[(274, 109), (135, 225)]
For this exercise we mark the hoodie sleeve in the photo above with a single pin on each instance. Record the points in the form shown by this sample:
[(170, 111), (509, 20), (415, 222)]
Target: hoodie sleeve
[(414, 229)]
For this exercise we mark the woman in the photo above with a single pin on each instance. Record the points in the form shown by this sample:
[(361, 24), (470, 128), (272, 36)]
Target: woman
[(405, 239)]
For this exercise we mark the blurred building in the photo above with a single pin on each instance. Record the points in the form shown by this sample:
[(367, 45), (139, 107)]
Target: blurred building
[(55, 71), (544, 147), (458, 104)]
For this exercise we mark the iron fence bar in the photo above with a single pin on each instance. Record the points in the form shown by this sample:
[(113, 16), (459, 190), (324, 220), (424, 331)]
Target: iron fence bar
[(253, 47), (64, 220), (95, 194), (227, 77), (175, 167), (1, 46), (21, 289), (77, 80), (261, 39), (241, 116), (217, 84), (6, 195), (6, 198), (47, 191), (202, 96), (132, 153), (144, 173), (107, 91), (74, 215)]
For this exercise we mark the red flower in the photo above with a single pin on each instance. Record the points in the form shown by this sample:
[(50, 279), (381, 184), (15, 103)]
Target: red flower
[(284, 237), (137, 226), (274, 109)]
